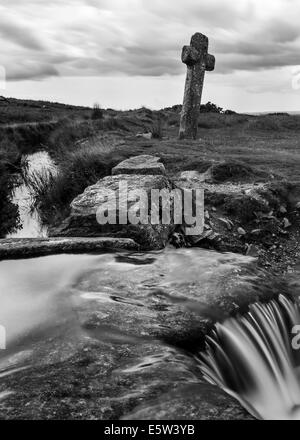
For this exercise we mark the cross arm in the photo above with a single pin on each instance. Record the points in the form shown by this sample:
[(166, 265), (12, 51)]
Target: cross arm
[(190, 55), (210, 62)]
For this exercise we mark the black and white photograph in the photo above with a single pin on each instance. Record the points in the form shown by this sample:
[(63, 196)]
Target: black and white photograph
[(150, 213)]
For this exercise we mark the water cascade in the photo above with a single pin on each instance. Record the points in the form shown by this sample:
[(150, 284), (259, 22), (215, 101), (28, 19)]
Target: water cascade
[(253, 358)]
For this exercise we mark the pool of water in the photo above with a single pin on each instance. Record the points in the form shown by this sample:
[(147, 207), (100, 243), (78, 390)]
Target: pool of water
[(34, 165)]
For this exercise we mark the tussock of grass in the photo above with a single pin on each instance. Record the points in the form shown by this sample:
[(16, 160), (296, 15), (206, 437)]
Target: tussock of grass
[(52, 193), (157, 129), (97, 112), (68, 133)]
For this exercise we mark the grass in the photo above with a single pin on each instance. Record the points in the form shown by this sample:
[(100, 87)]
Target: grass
[(249, 152), (9, 216), (97, 112), (268, 144), (157, 129), (232, 138), (52, 193), (21, 111)]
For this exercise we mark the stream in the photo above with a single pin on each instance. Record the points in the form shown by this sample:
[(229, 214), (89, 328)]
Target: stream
[(34, 165), (52, 305)]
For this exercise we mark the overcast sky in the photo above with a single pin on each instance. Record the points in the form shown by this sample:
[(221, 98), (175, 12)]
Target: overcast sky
[(126, 53)]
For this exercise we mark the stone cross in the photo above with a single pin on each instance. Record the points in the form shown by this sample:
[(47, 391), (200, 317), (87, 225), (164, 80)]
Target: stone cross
[(198, 61)]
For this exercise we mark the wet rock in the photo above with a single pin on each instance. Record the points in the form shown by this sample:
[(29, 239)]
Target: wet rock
[(178, 240), (241, 231), (252, 251), (144, 164), (193, 402), (14, 248), (118, 343)]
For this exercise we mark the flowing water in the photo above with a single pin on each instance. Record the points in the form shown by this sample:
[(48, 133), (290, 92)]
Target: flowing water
[(251, 356), (254, 359), (34, 165)]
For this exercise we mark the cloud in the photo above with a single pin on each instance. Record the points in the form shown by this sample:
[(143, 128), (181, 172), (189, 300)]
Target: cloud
[(28, 70), (144, 38), (19, 34)]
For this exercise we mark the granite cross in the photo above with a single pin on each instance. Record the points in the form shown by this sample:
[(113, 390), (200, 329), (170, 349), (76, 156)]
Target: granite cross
[(198, 61)]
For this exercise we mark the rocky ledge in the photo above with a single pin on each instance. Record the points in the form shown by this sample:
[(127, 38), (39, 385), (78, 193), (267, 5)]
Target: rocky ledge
[(247, 212), (15, 248)]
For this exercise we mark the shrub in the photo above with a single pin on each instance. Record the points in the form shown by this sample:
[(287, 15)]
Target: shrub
[(9, 213), (157, 129), (229, 112), (209, 107), (97, 112)]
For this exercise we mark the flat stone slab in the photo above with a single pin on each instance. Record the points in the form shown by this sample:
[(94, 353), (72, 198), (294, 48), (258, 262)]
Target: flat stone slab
[(15, 248), (144, 164)]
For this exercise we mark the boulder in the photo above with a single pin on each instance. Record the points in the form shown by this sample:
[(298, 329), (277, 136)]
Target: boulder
[(83, 221), (144, 164)]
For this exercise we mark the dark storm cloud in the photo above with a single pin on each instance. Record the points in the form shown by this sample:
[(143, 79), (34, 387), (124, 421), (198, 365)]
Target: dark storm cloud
[(142, 37)]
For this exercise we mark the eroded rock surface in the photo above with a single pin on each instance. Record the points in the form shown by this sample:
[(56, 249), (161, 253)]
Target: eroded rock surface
[(126, 188), (119, 342), (144, 164)]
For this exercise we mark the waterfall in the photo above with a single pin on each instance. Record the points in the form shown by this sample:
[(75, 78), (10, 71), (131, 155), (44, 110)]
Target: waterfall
[(252, 358)]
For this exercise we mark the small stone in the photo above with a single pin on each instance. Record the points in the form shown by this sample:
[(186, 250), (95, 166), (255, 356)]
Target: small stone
[(191, 175), (252, 251), (241, 231), (298, 205), (214, 209), (227, 223), (286, 223), (206, 215), (282, 209), (144, 135), (144, 164), (256, 231)]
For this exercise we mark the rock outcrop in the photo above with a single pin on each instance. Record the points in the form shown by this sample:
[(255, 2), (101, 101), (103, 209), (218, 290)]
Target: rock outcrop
[(138, 173)]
